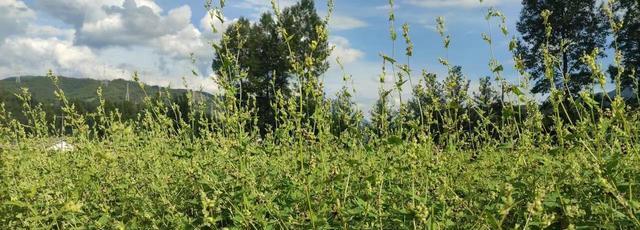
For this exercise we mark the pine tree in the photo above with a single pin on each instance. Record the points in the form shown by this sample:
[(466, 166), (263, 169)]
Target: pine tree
[(456, 88), (628, 40), (429, 94), (344, 114), (265, 55), (381, 116), (486, 96), (301, 21), (428, 109), (577, 28)]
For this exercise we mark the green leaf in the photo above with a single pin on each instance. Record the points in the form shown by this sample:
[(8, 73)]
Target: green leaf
[(216, 46), (517, 91), (400, 84), (216, 66), (386, 93), (289, 38), (513, 45), (586, 97), (498, 68), (394, 140), (389, 59)]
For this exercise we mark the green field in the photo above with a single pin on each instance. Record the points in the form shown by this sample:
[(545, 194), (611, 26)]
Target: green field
[(441, 159), (142, 179), (218, 172)]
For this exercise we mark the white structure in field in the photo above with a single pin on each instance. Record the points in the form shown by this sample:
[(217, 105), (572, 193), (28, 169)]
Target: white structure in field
[(19, 75), (62, 146)]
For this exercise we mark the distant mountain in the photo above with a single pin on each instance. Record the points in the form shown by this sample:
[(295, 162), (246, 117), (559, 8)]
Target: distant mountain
[(83, 94), (82, 89), (628, 94)]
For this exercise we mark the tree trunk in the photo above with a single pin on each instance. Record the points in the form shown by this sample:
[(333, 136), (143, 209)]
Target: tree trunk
[(565, 65)]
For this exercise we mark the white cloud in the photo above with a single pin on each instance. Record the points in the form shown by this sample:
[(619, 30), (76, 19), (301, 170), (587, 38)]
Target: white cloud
[(132, 24), (37, 55), (262, 6), (342, 22), (45, 31), (343, 51), (76, 12), (103, 23), (180, 44), (453, 3), (151, 4), (387, 7), (208, 23), (37, 47), (107, 39), (15, 16)]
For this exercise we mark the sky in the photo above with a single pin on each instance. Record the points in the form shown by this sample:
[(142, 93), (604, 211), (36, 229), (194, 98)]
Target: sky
[(164, 40)]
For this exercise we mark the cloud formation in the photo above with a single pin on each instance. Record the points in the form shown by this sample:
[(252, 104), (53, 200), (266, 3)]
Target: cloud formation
[(107, 39), (128, 23), (76, 12), (343, 50), (452, 3), (132, 24), (47, 53), (104, 39), (260, 6), (15, 16), (342, 22)]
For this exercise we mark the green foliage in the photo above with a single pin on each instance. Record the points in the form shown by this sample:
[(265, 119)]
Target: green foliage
[(267, 53), (81, 93), (136, 180), (345, 117), (624, 16), (486, 95), (441, 160), (575, 27)]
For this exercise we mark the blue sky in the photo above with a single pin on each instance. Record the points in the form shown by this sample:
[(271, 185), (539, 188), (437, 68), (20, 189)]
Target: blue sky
[(109, 39)]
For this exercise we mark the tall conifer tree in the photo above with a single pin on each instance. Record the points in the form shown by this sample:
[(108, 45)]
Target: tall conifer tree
[(578, 27)]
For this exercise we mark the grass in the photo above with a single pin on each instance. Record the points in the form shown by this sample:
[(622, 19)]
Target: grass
[(162, 182), (171, 169)]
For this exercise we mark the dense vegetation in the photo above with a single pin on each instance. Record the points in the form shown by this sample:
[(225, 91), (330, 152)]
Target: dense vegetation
[(123, 95), (440, 159)]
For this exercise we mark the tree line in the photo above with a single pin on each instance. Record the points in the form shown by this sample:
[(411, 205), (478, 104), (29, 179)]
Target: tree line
[(578, 28), (267, 54)]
